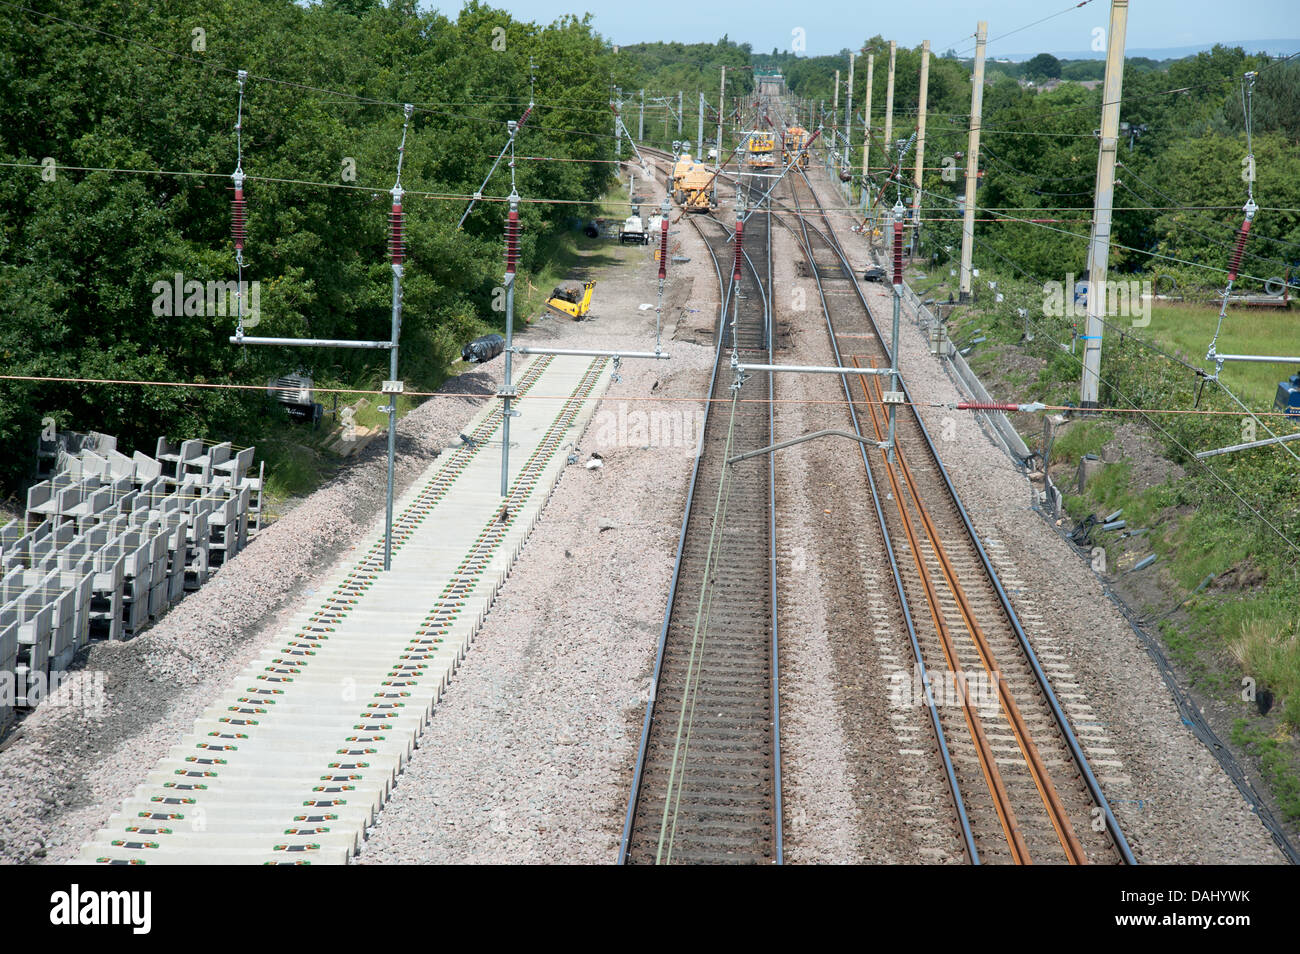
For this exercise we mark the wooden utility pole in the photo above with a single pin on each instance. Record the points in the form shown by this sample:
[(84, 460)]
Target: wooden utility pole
[(679, 114), (835, 112), (920, 143), (640, 122), (848, 117), (972, 159), (889, 105), (1104, 194), (866, 126)]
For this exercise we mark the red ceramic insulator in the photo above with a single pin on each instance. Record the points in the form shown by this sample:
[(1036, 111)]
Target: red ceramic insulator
[(397, 234), (1239, 251), (898, 253), (663, 247), (239, 219), (512, 242), (740, 238)]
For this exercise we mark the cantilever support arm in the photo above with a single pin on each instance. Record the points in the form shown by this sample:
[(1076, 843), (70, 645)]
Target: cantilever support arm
[(799, 440), (658, 355), (309, 342)]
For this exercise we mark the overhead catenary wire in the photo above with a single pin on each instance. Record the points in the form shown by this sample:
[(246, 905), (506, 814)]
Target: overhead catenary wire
[(1147, 414), (1217, 241), (1178, 205), (1113, 244), (1020, 29), (1129, 99), (364, 100), (685, 399), (372, 190)]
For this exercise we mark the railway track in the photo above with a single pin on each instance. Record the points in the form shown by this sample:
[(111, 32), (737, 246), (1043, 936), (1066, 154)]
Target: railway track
[(294, 760), (1022, 789), (707, 783)]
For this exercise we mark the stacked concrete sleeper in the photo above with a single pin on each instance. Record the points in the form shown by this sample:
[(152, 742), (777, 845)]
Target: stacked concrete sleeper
[(108, 543)]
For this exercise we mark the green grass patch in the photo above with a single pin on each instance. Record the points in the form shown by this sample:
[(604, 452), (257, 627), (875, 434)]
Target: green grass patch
[(1277, 761), (568, 255), (293, 468), (1080, 438), (1189, 328)]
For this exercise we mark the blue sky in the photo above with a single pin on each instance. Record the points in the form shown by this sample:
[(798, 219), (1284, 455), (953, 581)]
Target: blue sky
[(831, 26)]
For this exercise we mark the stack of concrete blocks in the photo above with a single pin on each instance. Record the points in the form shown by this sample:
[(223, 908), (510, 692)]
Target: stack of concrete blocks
[(53, 451), (198, 540), (8, 665), (109, 542), (69, 592), (33, 615), (234, 475)]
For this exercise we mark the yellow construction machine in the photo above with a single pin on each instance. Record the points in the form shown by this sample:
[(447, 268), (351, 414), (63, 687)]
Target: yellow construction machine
[(680, 168), (696, 189), (796, 138), (572, 298), (760, 146)]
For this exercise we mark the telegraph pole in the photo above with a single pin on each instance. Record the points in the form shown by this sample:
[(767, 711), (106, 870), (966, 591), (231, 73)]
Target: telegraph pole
[(1104, 194), (866, 130), (835, 113), (889, 104), (972, 159), (679, 114), (920, 143), (699, 132), (848, 117), (618, 108), (640, 122), (722, 98)]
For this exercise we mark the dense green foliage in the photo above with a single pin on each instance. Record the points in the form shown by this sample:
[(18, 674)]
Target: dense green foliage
[(79, 255), (663, 70)]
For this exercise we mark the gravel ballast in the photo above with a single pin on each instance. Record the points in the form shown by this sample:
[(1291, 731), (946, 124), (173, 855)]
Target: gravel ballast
[(1174, 802), (529, 756), (71, 766)]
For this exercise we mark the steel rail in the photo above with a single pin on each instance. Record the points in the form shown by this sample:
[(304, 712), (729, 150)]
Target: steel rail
[(954, 787), (974, 722), (641, 757), (1047, 791), (723, 294), (1062, 722)]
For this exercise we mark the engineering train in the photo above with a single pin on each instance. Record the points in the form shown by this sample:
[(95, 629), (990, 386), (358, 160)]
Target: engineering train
[(795, 139), (759, 146)]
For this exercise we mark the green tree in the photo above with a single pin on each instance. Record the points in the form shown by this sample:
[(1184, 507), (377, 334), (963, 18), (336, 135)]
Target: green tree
[(1043, 66)]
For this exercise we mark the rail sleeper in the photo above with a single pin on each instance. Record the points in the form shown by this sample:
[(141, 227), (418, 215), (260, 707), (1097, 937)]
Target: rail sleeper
[(297, 756)]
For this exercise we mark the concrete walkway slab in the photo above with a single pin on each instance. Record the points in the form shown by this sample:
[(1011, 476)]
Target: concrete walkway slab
[(314, 732)]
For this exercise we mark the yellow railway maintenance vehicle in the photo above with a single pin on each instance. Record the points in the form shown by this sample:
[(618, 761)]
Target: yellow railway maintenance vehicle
[(572, 299), (760, 146), (681, 167), (696, 189), (796, 138)]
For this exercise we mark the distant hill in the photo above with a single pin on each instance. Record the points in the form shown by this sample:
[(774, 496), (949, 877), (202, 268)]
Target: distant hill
[(1272, 47)]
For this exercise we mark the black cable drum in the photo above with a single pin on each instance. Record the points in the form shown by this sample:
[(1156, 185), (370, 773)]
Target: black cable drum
[(483, 349)]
